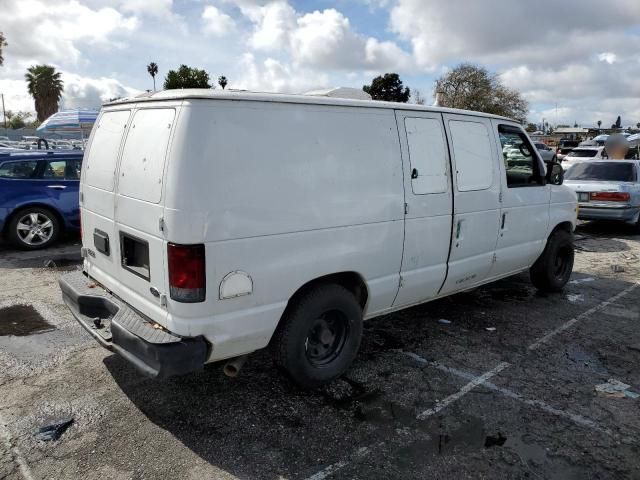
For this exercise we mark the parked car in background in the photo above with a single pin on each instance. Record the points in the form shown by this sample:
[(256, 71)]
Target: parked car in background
[(582, 154), (607, 190), (38, 196), (215, 224), (564, 147), (546, 152)]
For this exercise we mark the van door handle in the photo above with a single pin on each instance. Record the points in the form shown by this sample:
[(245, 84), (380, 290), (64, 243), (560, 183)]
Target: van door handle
[(504, 219), (414, 174), (57, 187)]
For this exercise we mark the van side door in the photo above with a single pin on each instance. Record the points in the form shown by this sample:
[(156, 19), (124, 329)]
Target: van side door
[(476, 201), (524, 217), (428, 197)]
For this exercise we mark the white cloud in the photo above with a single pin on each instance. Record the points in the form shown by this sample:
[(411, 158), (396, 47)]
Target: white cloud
[(155, 8), (608, 57), (217, 23), (42, 31), (79, 92), (495, 31), (272, 75)]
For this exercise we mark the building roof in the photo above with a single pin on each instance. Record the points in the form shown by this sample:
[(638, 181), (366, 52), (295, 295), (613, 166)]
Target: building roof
[(218, 94), (571, 130)]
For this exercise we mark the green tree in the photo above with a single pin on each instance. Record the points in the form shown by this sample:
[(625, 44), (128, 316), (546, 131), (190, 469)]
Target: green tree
[(186, 77), (3, 43), (152, 69), (531, 127), (222, 81), (45, 85), (388, 88), (618, 122), (472, 87), (16, 120)]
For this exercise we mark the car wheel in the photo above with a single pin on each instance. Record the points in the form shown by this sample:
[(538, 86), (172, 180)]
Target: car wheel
[(34, 228), (319, 336), (552, 270)]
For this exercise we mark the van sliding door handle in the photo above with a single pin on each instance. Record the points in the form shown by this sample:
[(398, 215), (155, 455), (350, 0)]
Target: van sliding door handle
[(57, 187), (504, 218)]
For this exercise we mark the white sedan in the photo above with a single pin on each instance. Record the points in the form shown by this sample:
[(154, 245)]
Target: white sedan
[(581, 154)]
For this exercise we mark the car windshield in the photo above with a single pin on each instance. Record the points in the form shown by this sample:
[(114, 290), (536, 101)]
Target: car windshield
[(610, 171), (582, 153)]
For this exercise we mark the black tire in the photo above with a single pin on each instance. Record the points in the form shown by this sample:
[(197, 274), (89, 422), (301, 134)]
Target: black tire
[(552, 270), (40, 222), (301, 342)]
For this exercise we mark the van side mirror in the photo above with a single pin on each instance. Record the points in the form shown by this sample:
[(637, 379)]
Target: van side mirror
[(555, 173)]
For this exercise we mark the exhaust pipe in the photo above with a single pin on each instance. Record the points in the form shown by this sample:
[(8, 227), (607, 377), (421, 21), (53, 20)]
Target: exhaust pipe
[(233, 366)]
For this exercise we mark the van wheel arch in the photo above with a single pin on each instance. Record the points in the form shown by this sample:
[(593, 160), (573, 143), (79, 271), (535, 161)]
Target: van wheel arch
[(44, 206), (566, 226), (352, 281)]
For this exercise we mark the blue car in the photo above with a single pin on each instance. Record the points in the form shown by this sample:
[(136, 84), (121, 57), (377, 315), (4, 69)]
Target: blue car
[(39, 196)]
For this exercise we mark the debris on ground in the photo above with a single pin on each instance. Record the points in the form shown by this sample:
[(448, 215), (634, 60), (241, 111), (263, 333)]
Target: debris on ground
[(617, 268), (444, 321), (575, 297), (494, 440), (581, 280), (616, 389), (50, 264), (491, 329), (53, 431), (635, 346)]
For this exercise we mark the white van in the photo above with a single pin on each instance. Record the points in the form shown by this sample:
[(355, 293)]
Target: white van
[(218, 223)]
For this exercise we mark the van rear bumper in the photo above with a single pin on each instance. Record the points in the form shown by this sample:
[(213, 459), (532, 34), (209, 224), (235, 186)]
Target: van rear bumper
[(116, 326)]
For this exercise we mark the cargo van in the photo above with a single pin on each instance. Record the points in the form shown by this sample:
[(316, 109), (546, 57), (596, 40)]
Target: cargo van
[(215, 224)]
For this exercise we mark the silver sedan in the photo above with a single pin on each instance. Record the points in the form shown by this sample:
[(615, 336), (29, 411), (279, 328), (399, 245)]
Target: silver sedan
[(607, 190)]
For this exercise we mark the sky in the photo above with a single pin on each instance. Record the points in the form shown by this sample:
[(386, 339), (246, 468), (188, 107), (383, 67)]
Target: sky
[(573, 60)]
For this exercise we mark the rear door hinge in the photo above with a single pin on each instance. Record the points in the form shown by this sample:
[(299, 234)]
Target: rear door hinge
[(163, 300), (161, 224), (494, 259), (500, 197), (406, 208)]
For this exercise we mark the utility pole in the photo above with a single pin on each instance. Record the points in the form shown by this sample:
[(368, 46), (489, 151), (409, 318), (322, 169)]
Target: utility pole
[(4, 114)]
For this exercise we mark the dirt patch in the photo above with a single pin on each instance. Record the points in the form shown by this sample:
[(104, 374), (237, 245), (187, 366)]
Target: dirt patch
[(22, 320)]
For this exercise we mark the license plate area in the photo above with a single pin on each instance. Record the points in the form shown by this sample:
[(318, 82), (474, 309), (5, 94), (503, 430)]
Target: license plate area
[(583, 196), (135, 255)]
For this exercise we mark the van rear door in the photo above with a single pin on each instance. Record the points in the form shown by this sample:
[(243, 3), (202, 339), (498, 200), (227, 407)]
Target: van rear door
[(132, 264)]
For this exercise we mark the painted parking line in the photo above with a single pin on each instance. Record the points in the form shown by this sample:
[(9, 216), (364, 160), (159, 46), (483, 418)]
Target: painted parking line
[(16, 454), (578, 419), (565, 326), (365, 451), (476, 381)]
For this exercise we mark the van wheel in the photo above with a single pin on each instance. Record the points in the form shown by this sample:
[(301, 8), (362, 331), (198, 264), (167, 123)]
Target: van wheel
[(319, 336), (33, 228), (552, 270)]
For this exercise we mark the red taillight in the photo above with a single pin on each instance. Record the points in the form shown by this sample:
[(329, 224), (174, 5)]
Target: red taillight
[(187, 282), (611, 196)]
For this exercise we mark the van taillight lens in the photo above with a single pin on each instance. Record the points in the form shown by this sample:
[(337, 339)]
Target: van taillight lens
[(611, 196), (187, 282)]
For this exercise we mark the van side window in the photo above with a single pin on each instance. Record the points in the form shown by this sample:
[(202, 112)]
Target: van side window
[(427, 156), (520, 162), (472, 152), (22, 170)]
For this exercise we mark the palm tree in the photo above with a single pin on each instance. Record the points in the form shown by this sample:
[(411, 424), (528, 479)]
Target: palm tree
[(45, 86), (222, 81), (152, 68), (599, 123)]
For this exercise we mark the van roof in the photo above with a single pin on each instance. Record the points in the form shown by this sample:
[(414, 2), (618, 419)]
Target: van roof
[(210, 94)]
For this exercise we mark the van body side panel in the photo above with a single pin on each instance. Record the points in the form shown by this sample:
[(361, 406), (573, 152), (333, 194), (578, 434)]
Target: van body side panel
[(285, 193), (429, 205), (476, 180)]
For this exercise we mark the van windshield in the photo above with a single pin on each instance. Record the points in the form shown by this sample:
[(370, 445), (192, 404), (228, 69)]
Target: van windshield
[(610, 171)]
